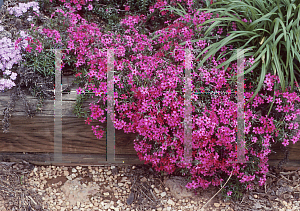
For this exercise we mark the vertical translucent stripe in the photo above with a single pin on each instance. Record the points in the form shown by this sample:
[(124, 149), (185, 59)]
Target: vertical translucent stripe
[(110, 141), (240, 108), (187, 109), (58, 109)]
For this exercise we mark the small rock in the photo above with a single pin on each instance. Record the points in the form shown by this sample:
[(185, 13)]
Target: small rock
[(35, 169), (170, 202), (217, 205), (156, 190), (115, 171), (66, 173), (106, 194), (123, 179), (177, 187), (106, 206), (65, 168), (108, 173), (255, 196), (120, 184), (163, 194), (130, 198), (74, 170), (143, 179)]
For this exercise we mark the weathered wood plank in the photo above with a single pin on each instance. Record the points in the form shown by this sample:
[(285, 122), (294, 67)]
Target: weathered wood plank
[(68, 103), (37, 135), (68, 159)]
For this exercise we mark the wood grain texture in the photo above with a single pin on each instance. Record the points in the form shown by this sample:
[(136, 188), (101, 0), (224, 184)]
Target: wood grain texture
[(36, 135), (68, 159)]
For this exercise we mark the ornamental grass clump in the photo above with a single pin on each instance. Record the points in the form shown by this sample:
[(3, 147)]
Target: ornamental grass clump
[(268, 30)]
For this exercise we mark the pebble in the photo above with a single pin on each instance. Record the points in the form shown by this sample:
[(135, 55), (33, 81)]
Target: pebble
[(143, 179), (74, 170), (163, 194), (108, 173), (106, 194), (170, 202), (255, 196), (106, 206), (217, 205)]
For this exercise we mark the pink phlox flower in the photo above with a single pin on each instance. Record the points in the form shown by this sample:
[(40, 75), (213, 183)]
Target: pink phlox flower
[(285, 142)]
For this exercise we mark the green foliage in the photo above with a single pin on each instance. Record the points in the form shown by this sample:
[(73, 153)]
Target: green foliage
[(272, 37), (43, 62), (77, 109)]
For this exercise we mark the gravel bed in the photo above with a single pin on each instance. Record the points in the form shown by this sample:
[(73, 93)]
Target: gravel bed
[(127, 187)]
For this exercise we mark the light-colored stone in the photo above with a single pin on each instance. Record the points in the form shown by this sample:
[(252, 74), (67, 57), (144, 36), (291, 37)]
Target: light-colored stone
[(170, 202), (163, 194), (177, 187), (75, 192), (143, 179), (217, 205)]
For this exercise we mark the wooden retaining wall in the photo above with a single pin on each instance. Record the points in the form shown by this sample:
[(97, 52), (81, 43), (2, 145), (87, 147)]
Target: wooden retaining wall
[(32, 139)]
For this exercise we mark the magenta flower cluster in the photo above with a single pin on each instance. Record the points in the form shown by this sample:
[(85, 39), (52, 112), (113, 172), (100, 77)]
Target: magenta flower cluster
[(149, 94)]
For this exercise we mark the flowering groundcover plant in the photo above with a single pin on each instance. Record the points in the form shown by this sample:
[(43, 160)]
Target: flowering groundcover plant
[(158, 114), (8, 55)]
